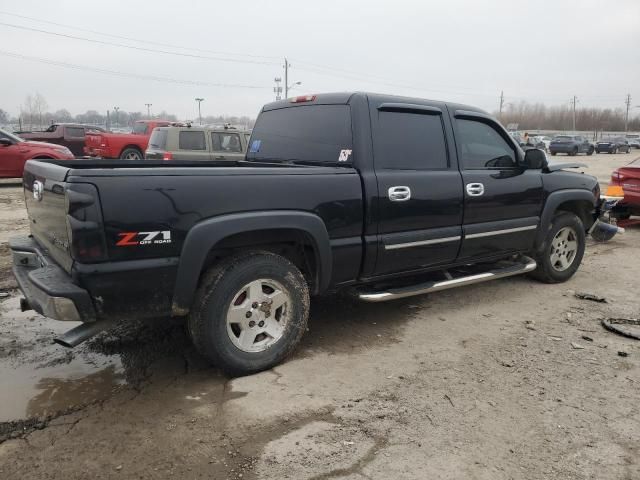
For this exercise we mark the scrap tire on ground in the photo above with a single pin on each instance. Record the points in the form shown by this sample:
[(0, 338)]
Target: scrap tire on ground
[(237, 290), (551, 266)]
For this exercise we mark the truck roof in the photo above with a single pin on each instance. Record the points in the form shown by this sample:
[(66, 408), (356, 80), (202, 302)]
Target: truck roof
[(343, 98)]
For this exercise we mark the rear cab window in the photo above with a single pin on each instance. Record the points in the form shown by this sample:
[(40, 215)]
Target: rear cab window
[(309, 133), (139, 128)]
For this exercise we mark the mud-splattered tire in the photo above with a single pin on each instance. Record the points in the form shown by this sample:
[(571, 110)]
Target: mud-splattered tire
[(250, 312), (556, 263)]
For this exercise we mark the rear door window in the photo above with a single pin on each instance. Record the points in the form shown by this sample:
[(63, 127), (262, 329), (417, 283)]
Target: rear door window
[(482, 147), (317, 133), (226, 142), (188, 140), (75, 132), (410, 141)]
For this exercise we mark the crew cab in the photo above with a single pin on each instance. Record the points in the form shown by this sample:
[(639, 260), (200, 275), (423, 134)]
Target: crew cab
[(70, 135), (381, 196), (15, 151), (125, 146)]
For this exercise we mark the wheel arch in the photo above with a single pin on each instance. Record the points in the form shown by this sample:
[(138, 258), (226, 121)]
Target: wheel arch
[(580, 202), (249, 230)]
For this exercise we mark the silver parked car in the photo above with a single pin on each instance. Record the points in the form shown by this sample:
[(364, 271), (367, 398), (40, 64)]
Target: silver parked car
[(197, 143)]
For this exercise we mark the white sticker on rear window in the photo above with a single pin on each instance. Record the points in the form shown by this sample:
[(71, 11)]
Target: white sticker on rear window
[(344, 155)]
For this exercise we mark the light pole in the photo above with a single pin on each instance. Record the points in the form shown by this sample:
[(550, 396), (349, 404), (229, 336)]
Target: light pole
[(148, 110), (291, 87), (199, 100), (116, 110)]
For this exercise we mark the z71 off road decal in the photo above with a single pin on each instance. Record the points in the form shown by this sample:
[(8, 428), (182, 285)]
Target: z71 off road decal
[(131, 239)]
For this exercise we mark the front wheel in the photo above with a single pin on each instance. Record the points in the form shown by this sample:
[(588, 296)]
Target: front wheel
[(562, 249), (614, 151), (574, 152), (250, 312), (553, 154)]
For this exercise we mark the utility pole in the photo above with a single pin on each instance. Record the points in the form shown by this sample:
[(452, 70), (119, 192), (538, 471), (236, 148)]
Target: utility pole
[(199, 100), (286, 77), (278, 88), (626, 117), (116, 110), (574, 100), (148, 110), (501, 103)]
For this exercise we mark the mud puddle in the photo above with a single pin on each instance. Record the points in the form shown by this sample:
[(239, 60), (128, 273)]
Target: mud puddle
[(40, 378)]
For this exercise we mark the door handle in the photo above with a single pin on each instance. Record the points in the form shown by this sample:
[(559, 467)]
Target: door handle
[(475, 189), (399, 194)]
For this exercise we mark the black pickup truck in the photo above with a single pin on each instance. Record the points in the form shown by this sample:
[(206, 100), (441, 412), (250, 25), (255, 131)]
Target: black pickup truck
[(378, 195)]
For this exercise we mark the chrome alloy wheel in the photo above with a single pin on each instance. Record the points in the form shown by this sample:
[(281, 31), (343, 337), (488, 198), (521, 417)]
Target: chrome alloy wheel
[(564, 247), (132, 156), (258, 315)]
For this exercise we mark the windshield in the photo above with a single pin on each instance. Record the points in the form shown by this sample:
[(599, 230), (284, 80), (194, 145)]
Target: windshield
[(10, 136), (139, 129)]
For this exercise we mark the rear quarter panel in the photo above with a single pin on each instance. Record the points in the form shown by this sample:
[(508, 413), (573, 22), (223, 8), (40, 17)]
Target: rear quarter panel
[(157, 201)]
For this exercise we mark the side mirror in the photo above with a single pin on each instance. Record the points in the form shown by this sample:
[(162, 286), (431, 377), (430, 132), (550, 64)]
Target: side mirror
[(535, 159), (5, 142)]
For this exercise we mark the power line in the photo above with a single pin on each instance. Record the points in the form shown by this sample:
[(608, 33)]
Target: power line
[(132, 47), (139, 40), (126, 74)]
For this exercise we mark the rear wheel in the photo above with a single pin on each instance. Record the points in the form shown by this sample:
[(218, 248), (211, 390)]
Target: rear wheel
[(553, 154), (131, 154), (562, 250), (250, 312), (590, 151)]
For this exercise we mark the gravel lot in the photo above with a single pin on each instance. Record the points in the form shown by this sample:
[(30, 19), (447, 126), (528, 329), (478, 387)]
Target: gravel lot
[(505, 380)]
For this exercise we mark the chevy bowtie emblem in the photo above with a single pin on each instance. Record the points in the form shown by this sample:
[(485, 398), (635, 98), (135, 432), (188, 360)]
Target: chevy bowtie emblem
[(38, 188)]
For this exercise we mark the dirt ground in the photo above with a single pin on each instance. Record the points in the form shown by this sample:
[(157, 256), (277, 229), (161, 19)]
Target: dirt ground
[(511, 379)]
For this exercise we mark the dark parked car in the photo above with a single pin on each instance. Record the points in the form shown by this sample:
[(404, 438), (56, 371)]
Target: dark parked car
[(571, 145), (613, 145), (382, 196), (70, 135)]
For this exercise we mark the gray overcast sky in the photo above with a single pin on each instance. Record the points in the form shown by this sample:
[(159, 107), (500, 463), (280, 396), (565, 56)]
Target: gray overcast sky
[(459, 50)]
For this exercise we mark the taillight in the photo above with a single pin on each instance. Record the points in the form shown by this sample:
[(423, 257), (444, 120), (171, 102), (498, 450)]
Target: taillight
[(167, 156), (616, 177), (303, 98), (84, 223)]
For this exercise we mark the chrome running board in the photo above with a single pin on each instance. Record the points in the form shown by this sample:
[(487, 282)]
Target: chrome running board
[(523, 265)]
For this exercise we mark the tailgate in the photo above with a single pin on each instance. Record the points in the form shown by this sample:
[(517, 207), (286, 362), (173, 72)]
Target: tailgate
[(64, 218), (93, 140)]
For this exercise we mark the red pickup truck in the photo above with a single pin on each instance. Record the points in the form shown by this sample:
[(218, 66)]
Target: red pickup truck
[(126, 146)]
